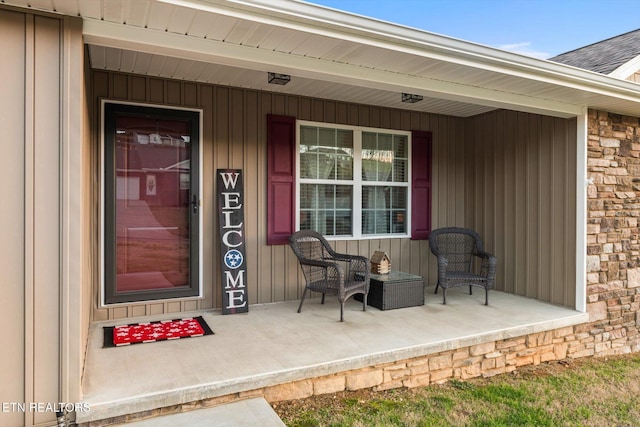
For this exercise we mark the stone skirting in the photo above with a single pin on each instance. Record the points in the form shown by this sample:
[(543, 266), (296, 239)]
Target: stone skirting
[(482, 360)]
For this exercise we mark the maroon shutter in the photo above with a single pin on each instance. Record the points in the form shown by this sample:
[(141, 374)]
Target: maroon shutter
[(281, 178), (420, 185)]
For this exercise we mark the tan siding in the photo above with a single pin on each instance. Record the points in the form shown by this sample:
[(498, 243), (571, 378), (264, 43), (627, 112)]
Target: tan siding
[(43, 363), (545, 209), (209, 248), (533, 218), (99, 88), (493, 173), (12, 215), (156, 91), (522, 205), (508, 212), (252, 183), (89, 217), (138, 88), (46, 193), (521, 199), (234, 128)]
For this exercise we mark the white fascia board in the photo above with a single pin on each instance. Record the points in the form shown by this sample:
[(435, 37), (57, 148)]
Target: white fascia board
[(627, 69), (314, 19), (120, 36)]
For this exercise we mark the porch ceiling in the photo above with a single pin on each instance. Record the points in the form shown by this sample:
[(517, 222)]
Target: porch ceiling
[(331, 55)]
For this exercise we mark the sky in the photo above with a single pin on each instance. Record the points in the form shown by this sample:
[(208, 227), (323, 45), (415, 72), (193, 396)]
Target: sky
[(538, 28)]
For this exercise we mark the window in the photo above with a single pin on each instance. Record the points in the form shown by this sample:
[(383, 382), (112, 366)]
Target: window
[(353, 181), (326, 199)]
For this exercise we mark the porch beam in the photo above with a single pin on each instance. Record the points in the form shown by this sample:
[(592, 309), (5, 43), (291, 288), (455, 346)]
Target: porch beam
[(114, 35)]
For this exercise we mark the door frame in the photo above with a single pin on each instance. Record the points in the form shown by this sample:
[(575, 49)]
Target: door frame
[(195, 288)]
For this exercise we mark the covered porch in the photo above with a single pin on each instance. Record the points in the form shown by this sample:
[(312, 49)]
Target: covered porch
[(510, 146), (251, 354)]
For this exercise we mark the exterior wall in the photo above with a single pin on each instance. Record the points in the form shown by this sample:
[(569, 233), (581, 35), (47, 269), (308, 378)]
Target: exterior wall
[(234, 136), (613, 291), (492, 172), (520, 196), (613, 245), (41, 63)]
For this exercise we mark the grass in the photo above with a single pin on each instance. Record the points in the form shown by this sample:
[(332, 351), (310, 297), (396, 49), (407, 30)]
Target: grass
[(589, 392)]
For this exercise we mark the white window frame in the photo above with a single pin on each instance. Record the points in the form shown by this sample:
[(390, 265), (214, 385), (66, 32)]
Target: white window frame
[(357, 183)]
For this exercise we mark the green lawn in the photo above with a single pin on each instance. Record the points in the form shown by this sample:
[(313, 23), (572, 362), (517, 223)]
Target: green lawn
[(589, 392)]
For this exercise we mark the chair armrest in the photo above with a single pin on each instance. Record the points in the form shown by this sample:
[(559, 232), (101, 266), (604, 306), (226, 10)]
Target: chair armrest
[(332, 270), (488, 266), (344, 257), (357, 264), (483, 254), (359, 268), (443, 262)]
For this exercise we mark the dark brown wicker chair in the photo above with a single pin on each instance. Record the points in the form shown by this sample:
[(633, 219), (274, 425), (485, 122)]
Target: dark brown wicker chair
[(456, 249), (329, 272)]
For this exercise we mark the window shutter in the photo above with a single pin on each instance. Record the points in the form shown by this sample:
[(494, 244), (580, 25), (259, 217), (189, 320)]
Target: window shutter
[(281, 179), (420, 185)]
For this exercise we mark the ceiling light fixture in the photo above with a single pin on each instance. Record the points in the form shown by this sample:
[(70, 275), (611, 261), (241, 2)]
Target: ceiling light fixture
[(279, 79), (411, 98)]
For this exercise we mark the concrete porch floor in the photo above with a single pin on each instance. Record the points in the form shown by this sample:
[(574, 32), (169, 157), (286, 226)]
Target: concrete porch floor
[(273, 344)]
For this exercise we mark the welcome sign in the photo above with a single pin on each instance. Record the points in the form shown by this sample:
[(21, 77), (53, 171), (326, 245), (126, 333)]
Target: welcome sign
[(232, 241)]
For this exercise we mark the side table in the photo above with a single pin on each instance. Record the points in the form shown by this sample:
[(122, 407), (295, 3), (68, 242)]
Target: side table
[(394, 290)]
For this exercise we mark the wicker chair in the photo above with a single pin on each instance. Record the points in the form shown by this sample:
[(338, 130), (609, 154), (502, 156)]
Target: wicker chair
[(329, 272), (456, 249)]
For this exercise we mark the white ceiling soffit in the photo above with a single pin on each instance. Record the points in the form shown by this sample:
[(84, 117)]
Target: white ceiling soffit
[(251, 78), (330, 54)]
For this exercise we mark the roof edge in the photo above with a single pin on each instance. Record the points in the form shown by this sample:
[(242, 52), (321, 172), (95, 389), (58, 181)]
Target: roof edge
[(302, 16)]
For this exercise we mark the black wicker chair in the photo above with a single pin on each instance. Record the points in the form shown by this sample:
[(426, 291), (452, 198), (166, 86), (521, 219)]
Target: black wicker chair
[(329, 272), (456, 249)]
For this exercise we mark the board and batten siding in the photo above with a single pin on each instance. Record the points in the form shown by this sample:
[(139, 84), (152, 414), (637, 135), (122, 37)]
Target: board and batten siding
[(234, 136), (45, 325), (520, 196), (470, 186)]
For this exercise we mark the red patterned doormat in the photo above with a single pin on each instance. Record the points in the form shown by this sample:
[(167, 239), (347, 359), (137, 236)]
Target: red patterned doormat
[(116, 336)]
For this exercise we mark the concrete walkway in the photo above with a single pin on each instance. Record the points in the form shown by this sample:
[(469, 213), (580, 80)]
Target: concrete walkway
[(245, 413), (273, 344)]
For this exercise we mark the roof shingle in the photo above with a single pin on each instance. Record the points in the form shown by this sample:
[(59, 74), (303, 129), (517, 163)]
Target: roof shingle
[(604, 56)]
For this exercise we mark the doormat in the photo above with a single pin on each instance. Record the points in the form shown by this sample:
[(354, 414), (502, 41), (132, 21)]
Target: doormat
[(162, 330)]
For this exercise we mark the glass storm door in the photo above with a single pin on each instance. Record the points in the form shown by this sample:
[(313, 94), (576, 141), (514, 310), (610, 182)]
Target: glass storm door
[(151, 203)]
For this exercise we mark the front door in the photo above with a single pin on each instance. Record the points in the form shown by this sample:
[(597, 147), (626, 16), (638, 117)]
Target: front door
[(151, 201)]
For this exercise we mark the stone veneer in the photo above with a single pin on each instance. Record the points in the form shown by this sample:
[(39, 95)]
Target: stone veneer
[(613, 246), (613, 292)]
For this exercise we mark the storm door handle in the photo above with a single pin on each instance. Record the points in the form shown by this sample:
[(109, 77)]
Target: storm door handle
[(194, 204)]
